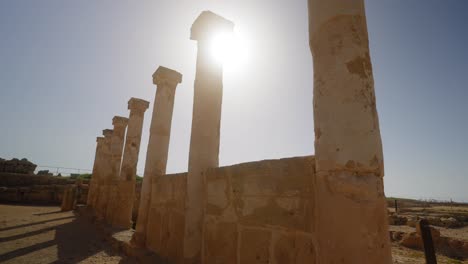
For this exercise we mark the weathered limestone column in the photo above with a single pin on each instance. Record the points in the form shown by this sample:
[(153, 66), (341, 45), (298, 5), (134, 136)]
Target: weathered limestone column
[(204, 141), (68, 200), (93, 184), (351, 215), (103, 171), (127, 179), (120, 124), (158, 145)]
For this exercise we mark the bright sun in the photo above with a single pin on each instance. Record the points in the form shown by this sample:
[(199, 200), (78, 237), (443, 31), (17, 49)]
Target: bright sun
[(230, 50)]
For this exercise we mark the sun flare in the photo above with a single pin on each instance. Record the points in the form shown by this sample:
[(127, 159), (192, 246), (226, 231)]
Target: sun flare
[(229, 49)]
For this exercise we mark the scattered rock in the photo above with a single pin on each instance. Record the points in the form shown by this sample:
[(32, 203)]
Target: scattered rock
[(450, 222), (397, 220), (22, 166)]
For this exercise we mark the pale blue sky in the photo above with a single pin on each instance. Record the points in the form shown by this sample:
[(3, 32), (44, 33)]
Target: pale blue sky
[(67, 67)]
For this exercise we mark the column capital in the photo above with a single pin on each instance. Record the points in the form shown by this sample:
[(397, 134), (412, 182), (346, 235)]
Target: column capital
[(137, 104), (119, 120), (208, 24), (166, 75), (107, 132), (99, 139), (323, 11)]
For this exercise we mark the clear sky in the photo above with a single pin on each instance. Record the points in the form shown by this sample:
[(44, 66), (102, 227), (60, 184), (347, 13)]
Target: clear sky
[(67, 67)]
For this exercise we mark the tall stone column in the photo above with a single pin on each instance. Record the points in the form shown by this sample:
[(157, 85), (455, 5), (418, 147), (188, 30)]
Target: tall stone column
[(103, 169), (120, 124), (204, 141), (93, 184), (158, 145), (351, 215), (126, 182)]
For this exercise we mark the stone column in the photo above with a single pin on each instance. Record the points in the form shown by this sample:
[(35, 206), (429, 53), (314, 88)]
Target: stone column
[(93, 183), (103, 169), (68, 200), (158, 145), (126, 182), (351, 215), (117, 142), (204, 141)]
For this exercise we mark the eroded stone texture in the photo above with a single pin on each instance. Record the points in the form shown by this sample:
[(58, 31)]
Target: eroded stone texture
[(260, 212), (22, 166), (93, 184), (122, 217), (204, 141), (165, 229), (120, 124), (350, 220), (104, 167), (68, 200), (158, 145)]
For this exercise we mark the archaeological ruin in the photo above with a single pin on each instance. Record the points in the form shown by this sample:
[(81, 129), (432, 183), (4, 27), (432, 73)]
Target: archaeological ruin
[(326, 208)]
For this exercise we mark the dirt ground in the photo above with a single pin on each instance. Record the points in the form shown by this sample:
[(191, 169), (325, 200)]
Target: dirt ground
[(43, 234), (421, 209), (402, 255)]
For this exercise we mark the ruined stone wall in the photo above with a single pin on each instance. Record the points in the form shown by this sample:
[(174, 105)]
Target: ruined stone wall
[(166, 217), (30, 188), (50, 194), (14, 179), (260, 212), (22, 166), (136, 202)]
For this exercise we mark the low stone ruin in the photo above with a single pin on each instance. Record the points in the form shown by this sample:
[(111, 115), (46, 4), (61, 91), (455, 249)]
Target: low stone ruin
[(22, 166), (30, 188), (451, 247), (326, 208)]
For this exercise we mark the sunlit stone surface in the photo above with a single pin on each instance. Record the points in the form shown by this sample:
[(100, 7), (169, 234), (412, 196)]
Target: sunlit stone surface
[(158, 145), (351, 216), (204, 141), (127, 179), (116, 149), (93, 184)]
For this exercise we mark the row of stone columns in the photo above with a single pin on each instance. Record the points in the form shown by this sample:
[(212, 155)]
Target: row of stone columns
[(350, 218), (113, 182), (158, 144)]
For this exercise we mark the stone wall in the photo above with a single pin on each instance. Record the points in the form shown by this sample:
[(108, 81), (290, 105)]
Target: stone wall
[(136, 202), (22, 166), (166, 218), (260, 212), (30, 188), (33, 194), (14, 180)]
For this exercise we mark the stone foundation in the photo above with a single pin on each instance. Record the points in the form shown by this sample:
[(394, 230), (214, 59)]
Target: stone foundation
[(260, 212), (166, 216), (36, 189)]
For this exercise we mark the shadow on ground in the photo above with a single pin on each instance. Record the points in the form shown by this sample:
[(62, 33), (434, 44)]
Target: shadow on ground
[(34, 234)]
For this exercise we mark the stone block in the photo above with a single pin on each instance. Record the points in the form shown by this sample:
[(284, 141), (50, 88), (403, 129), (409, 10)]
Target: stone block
[(284, 250), (255, 246), (176, 237), (287, 212), (220, 242), (165, 233), (217, 192), (179, 190), (153, 231), (306, 249)]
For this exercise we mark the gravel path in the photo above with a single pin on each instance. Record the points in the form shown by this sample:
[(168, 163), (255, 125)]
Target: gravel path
[(43, 234)]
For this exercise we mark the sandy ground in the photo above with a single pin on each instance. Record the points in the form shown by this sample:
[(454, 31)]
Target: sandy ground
[(43, 234), (457, 233), (402, 255)]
